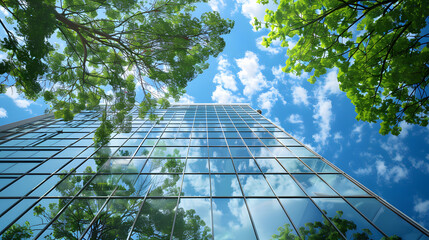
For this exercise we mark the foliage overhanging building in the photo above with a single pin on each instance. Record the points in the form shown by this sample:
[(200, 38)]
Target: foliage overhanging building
[(203, 171)]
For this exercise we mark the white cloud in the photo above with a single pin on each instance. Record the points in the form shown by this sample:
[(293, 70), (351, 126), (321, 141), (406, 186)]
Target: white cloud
[(277, 122), (187, 99), (267, 99), (226, 84), (395, 173), (357, 132), (224, 77), (394, 145), (216, 5), (295, 118), (364, 171), (3, 113), (323, 117), (274, 48), (17, 99), (381, 167), (250, 74), (251, 9), (421, 207), (278, 73), (338, 136), (221, 95), (331, 85), (4, 11), (299, 95)]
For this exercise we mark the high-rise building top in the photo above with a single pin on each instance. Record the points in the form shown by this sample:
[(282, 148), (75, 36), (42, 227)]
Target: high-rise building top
[(201, 171)]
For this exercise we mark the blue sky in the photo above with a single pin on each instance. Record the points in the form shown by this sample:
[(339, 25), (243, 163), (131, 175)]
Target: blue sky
[(319, 115)]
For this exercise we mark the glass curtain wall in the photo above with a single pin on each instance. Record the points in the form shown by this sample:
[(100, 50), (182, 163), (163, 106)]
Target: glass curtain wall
[(202, 171)]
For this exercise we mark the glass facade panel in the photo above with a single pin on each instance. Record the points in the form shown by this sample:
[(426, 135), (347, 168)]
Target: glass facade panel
[(205, 171)]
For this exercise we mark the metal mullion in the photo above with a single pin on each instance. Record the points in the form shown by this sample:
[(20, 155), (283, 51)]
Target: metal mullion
[(116, 187), (309, 197), (210, 175), (382, 201), (26, 173), (138, 213), (31, 131), (42, 197), (299, 185), (183, 174), (236, 174), (46, 159), (263, 174), (72, 199), (147, 158)]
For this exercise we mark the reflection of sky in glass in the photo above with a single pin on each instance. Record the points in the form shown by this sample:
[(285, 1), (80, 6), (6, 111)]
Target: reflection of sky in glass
[(270, 142), (197, 165), (385, 219), (289, 142), (314, 186), (284, 185), (239, 152), (302, 211), (221, 165), (268, 216), (235, 142), (332, 206), (301, 152), (255, 185), (219, 152), (231, 220), (196, 185), (270, 165), (342, 185), (293, 165), (246, 165), (225, 185), (198, 152), (318, 165)]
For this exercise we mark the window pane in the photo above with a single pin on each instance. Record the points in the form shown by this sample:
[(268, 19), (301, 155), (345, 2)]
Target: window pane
[(255, 185), (225, 185), (384, 218), (284, 185), (231, 220), (314, 186), (196, 185), (193, 219), (338, 208)]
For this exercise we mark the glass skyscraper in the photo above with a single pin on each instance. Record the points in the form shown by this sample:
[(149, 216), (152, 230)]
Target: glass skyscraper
[(201, 171)]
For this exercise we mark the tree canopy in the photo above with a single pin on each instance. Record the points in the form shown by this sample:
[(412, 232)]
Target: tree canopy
[(379, 47), (77, 54)]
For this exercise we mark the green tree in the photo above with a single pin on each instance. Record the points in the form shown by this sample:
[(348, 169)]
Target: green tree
[(106, 48), (154, 218), (379, 47), (325, 230)]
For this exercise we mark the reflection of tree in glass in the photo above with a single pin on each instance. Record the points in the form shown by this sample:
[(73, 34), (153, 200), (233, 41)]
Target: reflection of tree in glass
[(115, 220), (325, 230)]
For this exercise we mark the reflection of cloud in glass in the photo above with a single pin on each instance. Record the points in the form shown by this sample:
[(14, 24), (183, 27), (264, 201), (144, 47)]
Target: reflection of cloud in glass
[(314, 186), (196, 185), (267, 215), (255, 185), (342, 185), (231, 220), (284, 185), (270, 165)]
